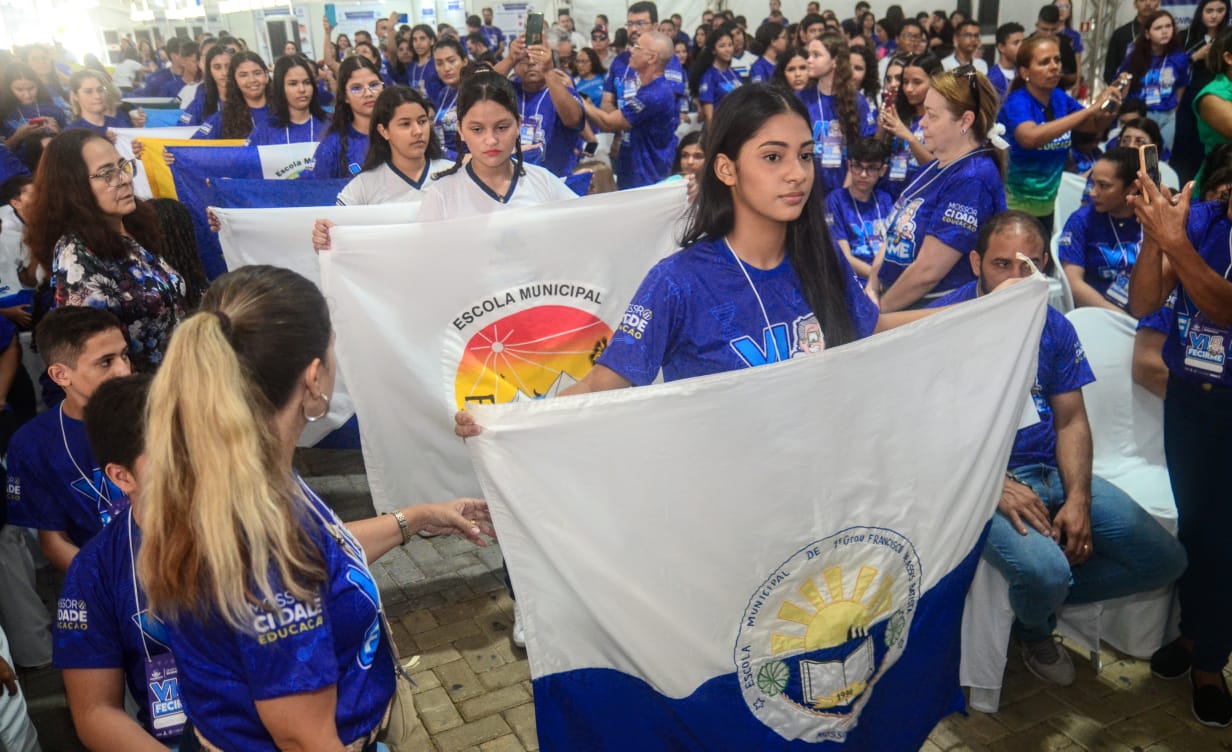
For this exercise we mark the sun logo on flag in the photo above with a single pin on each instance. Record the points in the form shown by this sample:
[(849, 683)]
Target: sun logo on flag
[(530, 354), (826, 625)]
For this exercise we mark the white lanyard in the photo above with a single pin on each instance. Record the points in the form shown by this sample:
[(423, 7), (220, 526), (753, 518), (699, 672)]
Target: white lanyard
[(312, 129), (522, 104), (132, 557), (856, 206), (728, 76), (1120, 249), (88, 479), (821, 111), (905, 197), (446, 106), (765, 316)]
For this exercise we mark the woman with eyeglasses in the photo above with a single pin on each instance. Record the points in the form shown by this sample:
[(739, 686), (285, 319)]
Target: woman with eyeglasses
[(101, 245), (937, 216), (296, 115), (246, 106), (901, 122), (1038, 117), (341, 152)]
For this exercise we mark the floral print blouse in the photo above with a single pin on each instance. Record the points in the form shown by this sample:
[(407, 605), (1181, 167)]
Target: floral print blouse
[(143, 291)]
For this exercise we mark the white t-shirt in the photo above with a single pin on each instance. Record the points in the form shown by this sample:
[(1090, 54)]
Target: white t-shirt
[(14, 254), (125, 73), (462, 195), (386, 185), (951, 62), (744, 64)]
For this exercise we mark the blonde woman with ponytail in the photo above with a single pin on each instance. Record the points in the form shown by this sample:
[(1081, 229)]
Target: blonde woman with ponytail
[(270, 609)]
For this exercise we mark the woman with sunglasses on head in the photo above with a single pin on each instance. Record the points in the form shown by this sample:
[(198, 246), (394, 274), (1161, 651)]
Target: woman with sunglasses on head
[(1038, 117), (296, 115), (938, 214), (247, 104), (102, 245), (342, 151)]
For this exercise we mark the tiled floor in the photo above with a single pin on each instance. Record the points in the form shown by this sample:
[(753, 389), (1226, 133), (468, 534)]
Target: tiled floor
[(474, 690)]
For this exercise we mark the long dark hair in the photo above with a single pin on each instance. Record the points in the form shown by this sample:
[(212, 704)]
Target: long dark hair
[(844, 88), (343, 115), (20, 72), (482, 84), (927, 62), (871, 86), (780, 65), (706, 57), (387, 104), (212, 95), (1195, 35), (280, 111), (64, 204), (1140, 57), (427, 30), (236, 117), (809, 248)]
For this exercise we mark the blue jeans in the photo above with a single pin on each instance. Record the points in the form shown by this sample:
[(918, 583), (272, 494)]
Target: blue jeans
[(1132, 553)]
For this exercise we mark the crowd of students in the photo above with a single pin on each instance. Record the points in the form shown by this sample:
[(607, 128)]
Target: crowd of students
[(848, 177)]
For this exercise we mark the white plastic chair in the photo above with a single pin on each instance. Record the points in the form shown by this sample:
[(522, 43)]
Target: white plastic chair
[(1069, 198), (1127, 428)]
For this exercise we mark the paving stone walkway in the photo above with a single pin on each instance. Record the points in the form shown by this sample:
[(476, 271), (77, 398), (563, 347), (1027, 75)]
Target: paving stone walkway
[(447, 603)]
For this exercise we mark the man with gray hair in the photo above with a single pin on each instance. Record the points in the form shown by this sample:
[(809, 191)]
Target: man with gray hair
[(646, 114)]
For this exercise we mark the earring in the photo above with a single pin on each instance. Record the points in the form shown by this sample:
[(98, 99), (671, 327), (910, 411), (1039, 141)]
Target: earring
[(314, 418), (963, 131), (1026, 79)]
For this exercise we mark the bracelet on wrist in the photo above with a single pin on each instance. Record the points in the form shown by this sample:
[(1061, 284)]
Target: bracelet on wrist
[(403, 526)]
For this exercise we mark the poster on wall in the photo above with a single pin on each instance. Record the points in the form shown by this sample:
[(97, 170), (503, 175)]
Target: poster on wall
[(427, 12), (1181, 10), (510, 18), (455, 14)]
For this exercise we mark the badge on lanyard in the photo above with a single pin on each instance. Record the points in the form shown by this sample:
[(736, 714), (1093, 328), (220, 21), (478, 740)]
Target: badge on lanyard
[(1206, 347), (1118, 291), (162, 681), (1152, 95), (531, 130), (898, 167)]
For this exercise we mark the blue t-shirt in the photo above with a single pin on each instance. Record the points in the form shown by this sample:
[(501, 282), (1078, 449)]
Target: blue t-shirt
[(903, 164), (1105, 247), (997, 78), (118, 120), (546, 140), (761, 72), (493, 35), (621, 77), (299, 647), (1062, 368), (1158, 86), (862, 224), (1197, 349), (24, 113), (950, 204), (1074, 37), (212, 127), (326, 157), (1034, 175), (445, 122), (830, 150), (54, 482), (156, 83), (10, 166), (423, 79), (193, 114), (591, 88), (1162, 320), (648, 148), (695, 314), (101, 620), (716, 84), (272, 132)]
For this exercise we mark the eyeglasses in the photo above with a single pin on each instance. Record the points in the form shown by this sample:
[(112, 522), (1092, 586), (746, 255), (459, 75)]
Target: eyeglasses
[(357, 89), (637, 24), (971, 73), (598, 37), (113, 175), (913, 37), (858, 168)]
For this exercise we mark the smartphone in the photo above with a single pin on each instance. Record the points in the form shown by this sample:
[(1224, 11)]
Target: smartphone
[(1122, 85), (331, 13), (887, 100), (534, 28), (1148, 160), (36, 121)]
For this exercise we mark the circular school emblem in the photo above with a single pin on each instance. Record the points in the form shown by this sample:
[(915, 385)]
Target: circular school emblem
[(529, 353), (823, 628)]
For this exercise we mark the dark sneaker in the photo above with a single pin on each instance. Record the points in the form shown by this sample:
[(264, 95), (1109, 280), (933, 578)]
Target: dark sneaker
[(1048, 660), (1171, 661), (1212, 705)]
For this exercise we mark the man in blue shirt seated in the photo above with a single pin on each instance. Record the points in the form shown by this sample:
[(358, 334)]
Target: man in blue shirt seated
[(1061, 534)]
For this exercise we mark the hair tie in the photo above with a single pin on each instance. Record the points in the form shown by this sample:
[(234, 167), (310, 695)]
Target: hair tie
[(224, 323), (995, 137)]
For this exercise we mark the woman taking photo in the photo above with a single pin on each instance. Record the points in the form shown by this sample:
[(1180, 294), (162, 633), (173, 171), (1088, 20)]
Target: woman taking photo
[(450, 57), (213, 90), (92, 101), (342, 151), (1038, 117), (26, 106), (273, 615), (1187, 252), (902, 122), (495, 177), (295, 113), (938, 214), (1100, 242), (1160, 67), (840, 114), (714, 76), (102, 245), (247, 104)]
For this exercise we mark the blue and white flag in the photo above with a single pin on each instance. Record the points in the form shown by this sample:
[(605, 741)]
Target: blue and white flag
[(766, 559)]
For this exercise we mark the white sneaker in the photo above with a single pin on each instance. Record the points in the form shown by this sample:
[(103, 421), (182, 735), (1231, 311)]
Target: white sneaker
[(1049, 660), (519, 633)]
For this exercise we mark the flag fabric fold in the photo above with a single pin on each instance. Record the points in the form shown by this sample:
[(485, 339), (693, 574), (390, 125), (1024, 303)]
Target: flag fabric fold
[(772, 558)]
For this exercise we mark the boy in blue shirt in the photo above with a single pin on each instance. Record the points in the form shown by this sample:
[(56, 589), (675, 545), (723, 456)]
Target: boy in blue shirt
[(105, 639), (1061, 534), (858, 214), (54, 485)]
